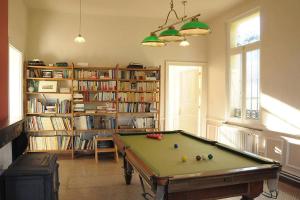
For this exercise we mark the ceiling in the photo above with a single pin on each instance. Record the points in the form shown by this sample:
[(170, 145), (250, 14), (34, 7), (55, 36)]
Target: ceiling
[(135, 8)]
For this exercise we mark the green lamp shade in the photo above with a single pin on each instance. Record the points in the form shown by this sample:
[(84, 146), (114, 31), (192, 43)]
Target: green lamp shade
[(170, 35), (194, 28), (153, 41)]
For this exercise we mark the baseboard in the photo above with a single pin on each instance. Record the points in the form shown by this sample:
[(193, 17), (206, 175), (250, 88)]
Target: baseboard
[(289, 179)]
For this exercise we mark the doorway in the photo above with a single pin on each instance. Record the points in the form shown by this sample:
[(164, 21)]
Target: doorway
[(185, 97)]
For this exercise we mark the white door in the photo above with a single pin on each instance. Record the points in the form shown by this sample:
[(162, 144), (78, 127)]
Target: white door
[(183, 97)]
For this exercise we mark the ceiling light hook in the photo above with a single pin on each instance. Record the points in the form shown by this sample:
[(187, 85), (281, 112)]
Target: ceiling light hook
[(171, 10)]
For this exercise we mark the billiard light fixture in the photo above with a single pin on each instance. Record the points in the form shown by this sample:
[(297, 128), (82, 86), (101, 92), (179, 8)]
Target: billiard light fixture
[(170, 34), (79, 39)]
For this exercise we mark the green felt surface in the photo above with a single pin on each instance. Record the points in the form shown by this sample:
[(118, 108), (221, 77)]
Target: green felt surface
[(165, 160)]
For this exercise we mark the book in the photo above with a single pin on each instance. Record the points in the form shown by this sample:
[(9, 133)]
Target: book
[(47, 124)]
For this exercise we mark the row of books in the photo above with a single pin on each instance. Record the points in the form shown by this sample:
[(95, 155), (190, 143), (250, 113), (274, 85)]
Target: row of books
[(107, 107), (83, 144), (100, 96), (138, 86), (139, 75), (94, 85), (35, 105), (145, 122), (95, 74), (94, 122), (36, 123), (137, 107), (38, 143), (137, 97), (42, 73)]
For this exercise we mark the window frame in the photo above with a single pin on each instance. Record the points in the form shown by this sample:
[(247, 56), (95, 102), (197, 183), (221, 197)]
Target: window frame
[(21, 116), (243, 51)]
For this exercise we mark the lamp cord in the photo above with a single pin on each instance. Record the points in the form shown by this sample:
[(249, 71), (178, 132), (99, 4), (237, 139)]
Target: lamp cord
[(80, 18)]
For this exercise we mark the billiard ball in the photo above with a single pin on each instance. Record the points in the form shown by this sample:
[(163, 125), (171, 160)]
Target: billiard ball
[(203, 157), (183, 158), (210, 156), (175, 146), (198, 158)]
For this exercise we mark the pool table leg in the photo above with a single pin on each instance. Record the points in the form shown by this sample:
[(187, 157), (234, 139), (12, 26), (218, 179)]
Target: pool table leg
[(160, 192), (254, 190), (127, 171)]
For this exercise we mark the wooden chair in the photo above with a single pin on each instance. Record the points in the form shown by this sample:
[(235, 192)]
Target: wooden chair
[(98, 150)]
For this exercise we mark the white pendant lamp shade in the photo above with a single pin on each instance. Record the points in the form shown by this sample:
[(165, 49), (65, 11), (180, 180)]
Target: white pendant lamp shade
[(79, 39), (184, 43)]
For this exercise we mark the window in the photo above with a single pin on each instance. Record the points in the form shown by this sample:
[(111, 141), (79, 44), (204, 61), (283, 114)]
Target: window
[(244, 68), (15, 84)]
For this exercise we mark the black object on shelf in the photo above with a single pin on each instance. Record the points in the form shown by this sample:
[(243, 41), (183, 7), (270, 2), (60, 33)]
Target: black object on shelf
[(135, 66), (32, 176), (62, 64)]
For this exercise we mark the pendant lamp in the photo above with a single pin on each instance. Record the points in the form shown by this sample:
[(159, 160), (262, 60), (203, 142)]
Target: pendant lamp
[(79, 39)]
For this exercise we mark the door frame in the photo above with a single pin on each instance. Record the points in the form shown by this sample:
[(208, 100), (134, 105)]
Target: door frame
[(203, 105)]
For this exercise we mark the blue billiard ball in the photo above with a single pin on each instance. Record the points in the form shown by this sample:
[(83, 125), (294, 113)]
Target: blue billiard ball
[(210, 156), (175, 146)]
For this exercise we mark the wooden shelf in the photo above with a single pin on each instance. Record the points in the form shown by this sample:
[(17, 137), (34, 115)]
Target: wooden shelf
[(38, 131), (105, 150), (144, 69), (85, 150), (137, 128), (50, 67), (96, 102), (50, 79), (134, 80), (51, 114), (94, 91), (51, 151), (128, 113), (138, 101), (48, 93), (155, 91), (95, 130), (95, 68), (93, 114), (94, 79)]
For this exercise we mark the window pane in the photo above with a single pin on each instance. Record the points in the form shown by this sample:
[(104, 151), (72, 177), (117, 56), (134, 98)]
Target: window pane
[(245, 31), (235, 85), (252, 84), (15, 84)]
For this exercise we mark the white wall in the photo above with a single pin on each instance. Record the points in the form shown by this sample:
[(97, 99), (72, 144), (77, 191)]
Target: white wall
[(109, 41), (17, 24), (280, 72)]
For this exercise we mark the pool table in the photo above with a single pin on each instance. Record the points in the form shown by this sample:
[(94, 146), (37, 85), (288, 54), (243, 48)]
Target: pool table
[(229, 173)]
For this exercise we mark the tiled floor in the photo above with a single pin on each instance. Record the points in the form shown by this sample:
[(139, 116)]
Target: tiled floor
[(84, 179)]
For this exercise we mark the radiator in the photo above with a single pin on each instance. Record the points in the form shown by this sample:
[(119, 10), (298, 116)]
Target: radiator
[(241, 138)]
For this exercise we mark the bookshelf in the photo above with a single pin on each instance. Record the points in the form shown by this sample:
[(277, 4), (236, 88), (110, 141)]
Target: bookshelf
[(95, 106), (47, 107), (84, 103), (139, 99)]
